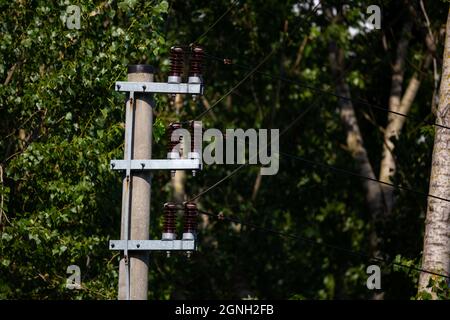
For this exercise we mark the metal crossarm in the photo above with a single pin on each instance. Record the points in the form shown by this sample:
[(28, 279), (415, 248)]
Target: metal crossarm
[(157, 164), (160, 87), (153, 245)]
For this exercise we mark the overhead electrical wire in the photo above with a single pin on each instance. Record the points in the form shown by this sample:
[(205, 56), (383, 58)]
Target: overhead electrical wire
[(315, 242), (322, 91), (295, 236), (254, 69), (233, 4), (300, 116), (348, 251), (348, 172)]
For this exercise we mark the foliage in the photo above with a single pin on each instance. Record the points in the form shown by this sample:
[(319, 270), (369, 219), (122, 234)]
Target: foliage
[(61, 123)]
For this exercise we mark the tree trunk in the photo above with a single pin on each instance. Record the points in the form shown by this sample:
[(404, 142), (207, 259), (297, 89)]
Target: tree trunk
[(388, 165), (355, 144), (436, 251)]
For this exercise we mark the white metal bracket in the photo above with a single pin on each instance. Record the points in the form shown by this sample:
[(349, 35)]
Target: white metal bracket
[(157, 164), (160, 87), (153, 245)]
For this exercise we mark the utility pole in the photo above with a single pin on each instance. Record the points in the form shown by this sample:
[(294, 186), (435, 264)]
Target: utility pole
[(137, 187), (134, 242)]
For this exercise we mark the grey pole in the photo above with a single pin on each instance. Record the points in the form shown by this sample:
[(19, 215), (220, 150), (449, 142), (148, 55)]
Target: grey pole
[(139, 187)]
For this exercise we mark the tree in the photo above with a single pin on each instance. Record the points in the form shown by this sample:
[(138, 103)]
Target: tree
[(436, 247), (61, 122)]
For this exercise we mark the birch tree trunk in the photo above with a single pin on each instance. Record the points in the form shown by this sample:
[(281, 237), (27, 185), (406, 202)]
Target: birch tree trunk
[(436, 251)]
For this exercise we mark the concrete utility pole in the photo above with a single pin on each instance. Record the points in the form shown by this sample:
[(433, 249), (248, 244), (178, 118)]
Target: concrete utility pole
[(139, 187), (137, 163)]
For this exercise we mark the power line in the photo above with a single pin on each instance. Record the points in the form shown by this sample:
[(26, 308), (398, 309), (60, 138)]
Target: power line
[(254, 226), (307, 239), (233, 4), (348, 172), (315, 242), (236, 86), (355, 100), (253, 70), (300, 116)]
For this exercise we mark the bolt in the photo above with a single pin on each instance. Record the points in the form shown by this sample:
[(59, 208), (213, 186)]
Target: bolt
[(112, 245), (138, 245)]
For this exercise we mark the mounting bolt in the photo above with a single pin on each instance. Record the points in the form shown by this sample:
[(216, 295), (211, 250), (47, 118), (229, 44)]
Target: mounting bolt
[(138, 245), (112, 245)]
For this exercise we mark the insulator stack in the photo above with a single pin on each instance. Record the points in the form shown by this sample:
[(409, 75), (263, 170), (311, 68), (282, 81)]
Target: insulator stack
[(176, 64), (190, 221), (173, 151), (196, 66), (169, 226)]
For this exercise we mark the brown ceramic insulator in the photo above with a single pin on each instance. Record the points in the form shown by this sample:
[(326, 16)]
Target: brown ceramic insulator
[(176, 61), (196, 65), (190, 217), (169, 218)]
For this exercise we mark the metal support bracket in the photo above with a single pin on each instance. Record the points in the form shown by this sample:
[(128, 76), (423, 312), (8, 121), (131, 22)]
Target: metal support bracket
[(153, 245), (157, 164), (160, 87)]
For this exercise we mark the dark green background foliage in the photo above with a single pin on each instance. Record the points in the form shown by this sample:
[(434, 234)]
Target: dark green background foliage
[(61, 122)]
